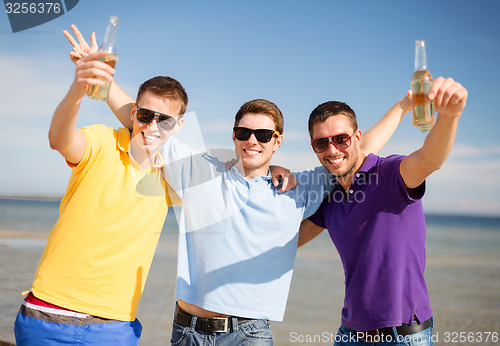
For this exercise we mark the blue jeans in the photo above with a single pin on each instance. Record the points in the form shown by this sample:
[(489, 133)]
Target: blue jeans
[(32, 331), (256, 332), (348, 337)]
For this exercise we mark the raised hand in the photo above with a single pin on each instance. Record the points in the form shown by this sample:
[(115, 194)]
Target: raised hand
[(449, 97), (80, 48), (87, 68)]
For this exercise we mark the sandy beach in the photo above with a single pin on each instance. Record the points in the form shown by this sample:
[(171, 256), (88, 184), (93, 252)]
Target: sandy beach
[(464, 289)]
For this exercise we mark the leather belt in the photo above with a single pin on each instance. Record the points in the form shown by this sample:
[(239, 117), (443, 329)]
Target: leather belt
[(209, 325), (403, 330)]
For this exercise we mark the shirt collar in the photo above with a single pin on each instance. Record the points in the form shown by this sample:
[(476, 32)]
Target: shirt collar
[(368, 164), (123, 143), (241, 177)]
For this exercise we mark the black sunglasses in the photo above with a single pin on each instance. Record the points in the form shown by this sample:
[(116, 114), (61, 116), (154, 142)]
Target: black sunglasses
[(262, 135), (165, 121), (341, 142)]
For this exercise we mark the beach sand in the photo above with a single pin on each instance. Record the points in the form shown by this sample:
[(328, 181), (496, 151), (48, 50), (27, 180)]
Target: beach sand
[(464, 290)]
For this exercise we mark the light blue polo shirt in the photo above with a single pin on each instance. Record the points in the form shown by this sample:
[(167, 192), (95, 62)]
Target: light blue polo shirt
[(238, 237)]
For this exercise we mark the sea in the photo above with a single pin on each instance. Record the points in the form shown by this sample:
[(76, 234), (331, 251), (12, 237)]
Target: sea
[(463, 233), (462, 274)]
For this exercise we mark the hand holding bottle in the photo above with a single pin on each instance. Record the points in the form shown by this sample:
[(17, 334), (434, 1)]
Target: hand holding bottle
[(449, 97), (91, 72)]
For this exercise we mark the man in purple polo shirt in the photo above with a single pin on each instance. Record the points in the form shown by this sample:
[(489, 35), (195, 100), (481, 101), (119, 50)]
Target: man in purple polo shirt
[(376, 221)]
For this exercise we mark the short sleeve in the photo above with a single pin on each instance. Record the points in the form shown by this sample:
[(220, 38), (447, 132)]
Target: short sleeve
[(389, 171), (318, 218)]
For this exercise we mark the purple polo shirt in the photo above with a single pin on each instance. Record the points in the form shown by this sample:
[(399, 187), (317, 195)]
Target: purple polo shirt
[(379, 231)]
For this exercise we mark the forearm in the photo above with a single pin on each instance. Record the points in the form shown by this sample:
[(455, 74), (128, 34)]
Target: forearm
[(378, 136), (438, 144), (63, 125), (120, 104), (308, 231)]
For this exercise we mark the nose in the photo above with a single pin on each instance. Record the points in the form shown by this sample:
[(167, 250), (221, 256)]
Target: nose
[(154, 121), (252, 139), (332, 149)]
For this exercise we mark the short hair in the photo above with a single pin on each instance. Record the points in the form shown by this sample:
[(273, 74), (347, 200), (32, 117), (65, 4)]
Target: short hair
[(166, 87), (328, 109), (261, 106)]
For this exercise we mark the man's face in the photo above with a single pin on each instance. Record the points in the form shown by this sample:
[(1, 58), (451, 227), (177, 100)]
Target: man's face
[(340, 163), (150, 137), (256, 156)]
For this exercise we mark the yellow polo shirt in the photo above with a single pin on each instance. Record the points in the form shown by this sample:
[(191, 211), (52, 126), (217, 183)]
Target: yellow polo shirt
[(100, 250)]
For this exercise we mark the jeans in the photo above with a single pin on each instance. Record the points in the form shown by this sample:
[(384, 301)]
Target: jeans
[(256, 332), (348, 337), (31, 331)]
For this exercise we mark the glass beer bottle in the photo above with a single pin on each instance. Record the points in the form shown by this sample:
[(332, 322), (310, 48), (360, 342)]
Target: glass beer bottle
[(423, 109), (100, 92)]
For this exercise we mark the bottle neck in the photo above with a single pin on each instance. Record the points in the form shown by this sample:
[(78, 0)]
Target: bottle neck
[(420, 57), (110, 36)]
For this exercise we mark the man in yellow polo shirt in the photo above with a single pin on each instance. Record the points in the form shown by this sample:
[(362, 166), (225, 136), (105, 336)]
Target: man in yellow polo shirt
[(92, 273)]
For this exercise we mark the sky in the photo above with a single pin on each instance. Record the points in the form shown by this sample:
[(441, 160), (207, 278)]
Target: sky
[(297, 54)]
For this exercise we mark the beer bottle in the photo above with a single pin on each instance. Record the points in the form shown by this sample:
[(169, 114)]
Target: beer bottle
[(423, 109), (100, 92)]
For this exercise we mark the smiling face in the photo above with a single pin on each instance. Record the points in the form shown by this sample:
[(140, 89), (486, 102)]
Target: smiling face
[(147, 139), (254, 157), (340, 163)]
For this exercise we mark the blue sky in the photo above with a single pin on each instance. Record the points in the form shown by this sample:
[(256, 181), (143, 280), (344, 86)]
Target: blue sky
[(297, 54)]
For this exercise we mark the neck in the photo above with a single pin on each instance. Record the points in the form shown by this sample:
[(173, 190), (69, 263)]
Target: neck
[(346, 180), (144, 158), (251, 173)]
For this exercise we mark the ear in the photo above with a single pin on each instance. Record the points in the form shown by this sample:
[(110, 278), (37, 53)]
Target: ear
[(132, 112), (359, 136), (178, 126), (278, 143), (234, 138)]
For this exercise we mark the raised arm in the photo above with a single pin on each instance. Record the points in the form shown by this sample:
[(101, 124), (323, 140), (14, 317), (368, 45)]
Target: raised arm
[(449, 98), (377, 137), (308, 231), (118, 101), (63, 135)]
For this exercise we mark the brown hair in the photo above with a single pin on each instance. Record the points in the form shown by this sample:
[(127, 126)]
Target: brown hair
[(329, 109), (166, 87), (261, 106)]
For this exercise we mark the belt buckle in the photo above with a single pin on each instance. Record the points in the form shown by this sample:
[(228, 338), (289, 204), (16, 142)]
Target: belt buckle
[(226, 323)]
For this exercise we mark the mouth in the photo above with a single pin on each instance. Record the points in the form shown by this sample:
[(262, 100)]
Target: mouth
[(150, 138), (336, 161), (251, 152)]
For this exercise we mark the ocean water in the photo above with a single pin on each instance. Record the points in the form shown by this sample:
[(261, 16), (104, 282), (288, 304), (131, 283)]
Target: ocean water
[(39, 216), (457, 234)]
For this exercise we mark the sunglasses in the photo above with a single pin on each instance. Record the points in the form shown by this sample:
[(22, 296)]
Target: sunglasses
[(262, 135), (341, 142), (165, 121)]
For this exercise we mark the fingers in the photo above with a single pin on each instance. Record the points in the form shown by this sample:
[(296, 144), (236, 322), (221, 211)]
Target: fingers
[(78, 34), (89, 66), (448, 96), (70, 38), (93, 41), (284, 183)]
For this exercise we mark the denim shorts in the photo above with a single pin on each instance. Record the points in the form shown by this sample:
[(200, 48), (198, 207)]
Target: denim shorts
[(35, 327), (255, 332)]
